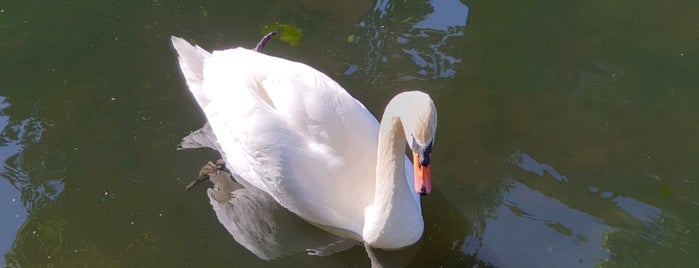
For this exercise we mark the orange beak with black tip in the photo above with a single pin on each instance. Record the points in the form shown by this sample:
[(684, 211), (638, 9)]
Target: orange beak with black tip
[(423, 180)]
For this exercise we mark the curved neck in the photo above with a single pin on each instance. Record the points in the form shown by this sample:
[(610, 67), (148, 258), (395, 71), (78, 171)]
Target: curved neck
[(394, 219), (391, 180)]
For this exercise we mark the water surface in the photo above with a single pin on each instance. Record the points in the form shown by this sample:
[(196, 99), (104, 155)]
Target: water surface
[(568, 131)]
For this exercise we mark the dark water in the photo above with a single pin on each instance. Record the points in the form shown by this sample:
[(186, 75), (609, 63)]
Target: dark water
[(568, 135)]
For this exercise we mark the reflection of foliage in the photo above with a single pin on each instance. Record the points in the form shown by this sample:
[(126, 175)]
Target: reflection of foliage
[(48, 237), (144, 245), (55, 242), (287, 32), (449, 228), (33, 169), (493, 197), (414, 32), (42, 243), (665, 239)]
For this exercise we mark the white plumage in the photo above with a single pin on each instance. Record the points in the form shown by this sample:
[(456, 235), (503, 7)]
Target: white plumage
[(294, 133)]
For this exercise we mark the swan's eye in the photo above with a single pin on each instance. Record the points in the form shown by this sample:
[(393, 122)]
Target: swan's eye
[(425, 155), (428, 148)]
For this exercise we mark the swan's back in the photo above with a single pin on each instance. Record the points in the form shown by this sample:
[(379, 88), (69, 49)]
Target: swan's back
[(289, 130)]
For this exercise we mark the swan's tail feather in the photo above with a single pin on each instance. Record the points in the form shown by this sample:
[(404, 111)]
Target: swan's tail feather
[(192, 60)]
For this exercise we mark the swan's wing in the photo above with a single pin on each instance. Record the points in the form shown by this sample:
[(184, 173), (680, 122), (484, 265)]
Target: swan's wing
[(303, 140), (290, 131)]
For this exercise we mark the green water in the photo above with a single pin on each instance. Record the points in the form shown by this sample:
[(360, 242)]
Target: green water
[(568, 130)]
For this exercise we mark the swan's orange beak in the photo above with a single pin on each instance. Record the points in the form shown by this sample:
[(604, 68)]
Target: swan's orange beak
[(423, 181)]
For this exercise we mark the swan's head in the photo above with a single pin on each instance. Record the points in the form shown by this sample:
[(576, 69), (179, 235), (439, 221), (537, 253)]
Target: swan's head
[(419, 118)]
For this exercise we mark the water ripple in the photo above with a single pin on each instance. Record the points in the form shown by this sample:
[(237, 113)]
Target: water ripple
[(423, 41), (528, 163), (32, 172), (534, 230), (572, 233)]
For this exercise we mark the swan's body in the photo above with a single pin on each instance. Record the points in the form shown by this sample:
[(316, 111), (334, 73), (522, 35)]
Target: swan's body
[(294, 133), (257, 221)]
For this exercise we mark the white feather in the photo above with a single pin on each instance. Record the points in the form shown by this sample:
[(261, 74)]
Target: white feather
[(290, 131)]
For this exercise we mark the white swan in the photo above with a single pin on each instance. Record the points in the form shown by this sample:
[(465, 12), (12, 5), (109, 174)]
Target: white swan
[(294, 133), (257, 221)]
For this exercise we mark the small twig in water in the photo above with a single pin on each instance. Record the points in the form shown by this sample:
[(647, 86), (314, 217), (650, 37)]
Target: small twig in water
[(264, 40), (206, 171)]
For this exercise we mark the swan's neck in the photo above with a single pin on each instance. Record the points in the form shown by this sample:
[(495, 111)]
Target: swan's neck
[(394, 220)]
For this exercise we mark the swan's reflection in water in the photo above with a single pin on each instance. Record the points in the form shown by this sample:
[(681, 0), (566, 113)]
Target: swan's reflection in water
[(268, 230), (265, 228), (255, 220)]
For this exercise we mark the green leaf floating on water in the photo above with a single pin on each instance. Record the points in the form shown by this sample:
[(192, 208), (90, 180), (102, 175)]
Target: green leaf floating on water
[(287, 32), (351, 38)]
